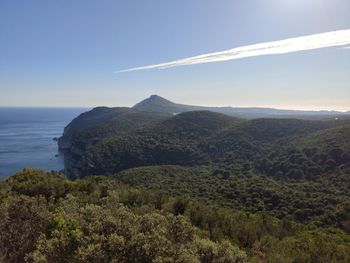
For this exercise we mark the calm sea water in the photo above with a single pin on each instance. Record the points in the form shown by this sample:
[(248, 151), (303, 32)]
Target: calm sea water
[(26, 138)]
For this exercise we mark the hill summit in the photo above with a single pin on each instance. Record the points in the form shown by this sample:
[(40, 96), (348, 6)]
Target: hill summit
[(158, 104)]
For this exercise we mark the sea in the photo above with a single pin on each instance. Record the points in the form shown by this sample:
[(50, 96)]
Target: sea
[(27, 138)]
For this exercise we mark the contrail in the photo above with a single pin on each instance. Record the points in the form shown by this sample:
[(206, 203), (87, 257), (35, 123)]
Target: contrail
[(316, 41)]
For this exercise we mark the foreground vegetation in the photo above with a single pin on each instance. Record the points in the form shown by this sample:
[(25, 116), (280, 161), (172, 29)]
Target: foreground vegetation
[(47, 218)]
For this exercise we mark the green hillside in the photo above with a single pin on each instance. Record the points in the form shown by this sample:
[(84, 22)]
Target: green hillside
[(321, 202), (47, 218), (197, 138), (262, 175)]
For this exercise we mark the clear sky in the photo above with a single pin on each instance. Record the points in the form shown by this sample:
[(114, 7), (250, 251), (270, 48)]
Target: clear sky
[(65, 53)]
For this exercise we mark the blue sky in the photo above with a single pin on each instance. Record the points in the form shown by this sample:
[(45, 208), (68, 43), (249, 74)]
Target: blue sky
[(64, 53)]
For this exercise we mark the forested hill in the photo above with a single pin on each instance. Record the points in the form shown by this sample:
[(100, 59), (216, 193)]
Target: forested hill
[(123, 139), (289, 168), (157, 131)]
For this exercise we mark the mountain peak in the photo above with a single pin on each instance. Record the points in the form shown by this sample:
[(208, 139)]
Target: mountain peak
[(154, 103), (155, 96), (157, 99)]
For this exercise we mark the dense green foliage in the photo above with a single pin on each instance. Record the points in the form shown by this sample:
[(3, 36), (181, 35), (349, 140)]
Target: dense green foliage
[(275, 147), (289, 168), (320, 202), (47, 218), (273, 190)]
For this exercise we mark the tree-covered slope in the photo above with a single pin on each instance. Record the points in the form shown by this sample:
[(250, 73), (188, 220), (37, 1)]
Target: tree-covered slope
[(90, 128), (47, 218), (196, 138), (102, 122), (326, 152), (320, 202), (157, 131), (288, 168), (167, 141)]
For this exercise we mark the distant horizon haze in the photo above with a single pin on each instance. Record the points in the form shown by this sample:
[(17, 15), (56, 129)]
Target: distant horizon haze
[(188, 102)]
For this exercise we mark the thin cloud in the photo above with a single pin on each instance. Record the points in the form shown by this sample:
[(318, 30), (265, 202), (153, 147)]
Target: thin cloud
[(317, 41)]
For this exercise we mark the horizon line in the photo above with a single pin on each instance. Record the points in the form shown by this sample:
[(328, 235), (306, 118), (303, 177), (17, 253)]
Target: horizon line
[(196, 105)]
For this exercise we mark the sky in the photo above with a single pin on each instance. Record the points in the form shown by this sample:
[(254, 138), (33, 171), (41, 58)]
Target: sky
[(70, 53)]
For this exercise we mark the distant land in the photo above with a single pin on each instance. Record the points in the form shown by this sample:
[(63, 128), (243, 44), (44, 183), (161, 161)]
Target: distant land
[(156, 103)]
